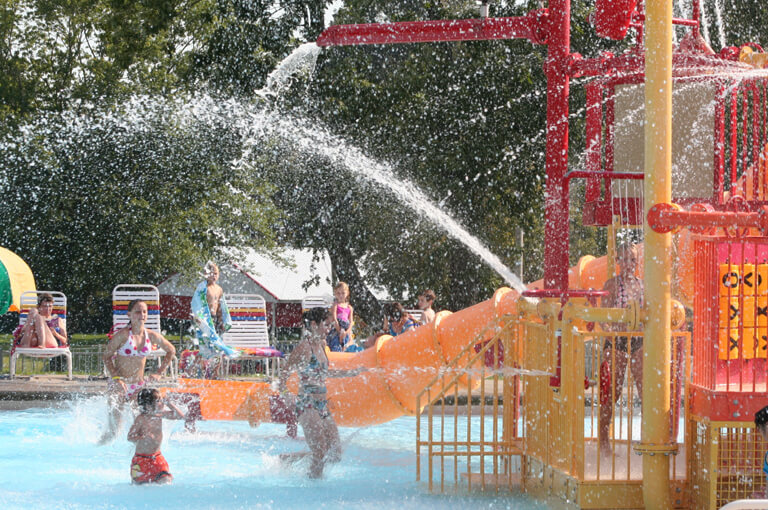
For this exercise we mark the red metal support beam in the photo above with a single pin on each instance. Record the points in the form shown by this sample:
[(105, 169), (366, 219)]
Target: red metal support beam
[(556, 226), (531, 27), (550, 26)]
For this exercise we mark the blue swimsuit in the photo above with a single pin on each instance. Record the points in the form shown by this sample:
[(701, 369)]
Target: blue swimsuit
[(312, 388)]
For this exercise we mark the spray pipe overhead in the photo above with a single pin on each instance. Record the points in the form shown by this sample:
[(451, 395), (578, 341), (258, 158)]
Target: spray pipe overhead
[(551, 27)]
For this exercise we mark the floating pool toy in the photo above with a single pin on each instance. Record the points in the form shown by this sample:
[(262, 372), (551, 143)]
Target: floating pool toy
[(211, 343)]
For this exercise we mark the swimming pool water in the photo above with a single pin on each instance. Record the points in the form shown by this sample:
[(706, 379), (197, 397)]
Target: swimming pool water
[(49, 459)]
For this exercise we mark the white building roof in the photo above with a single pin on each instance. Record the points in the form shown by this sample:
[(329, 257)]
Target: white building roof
[(259, 274), (304, 275), (290, 282)]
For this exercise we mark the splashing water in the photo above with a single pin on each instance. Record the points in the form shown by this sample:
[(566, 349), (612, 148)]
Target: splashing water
[(256, 122), (53, 460), (719, 22), (302, 60), (316, 140)]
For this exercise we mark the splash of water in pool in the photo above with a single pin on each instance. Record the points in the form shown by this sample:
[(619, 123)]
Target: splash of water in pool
[(52, 458)]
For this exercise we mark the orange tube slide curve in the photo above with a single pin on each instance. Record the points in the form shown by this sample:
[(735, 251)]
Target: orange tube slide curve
[(400, 367), (592, 272)]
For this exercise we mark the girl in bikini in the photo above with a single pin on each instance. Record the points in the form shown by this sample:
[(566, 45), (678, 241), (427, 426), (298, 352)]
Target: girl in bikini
[(311, 363), (125, 358)]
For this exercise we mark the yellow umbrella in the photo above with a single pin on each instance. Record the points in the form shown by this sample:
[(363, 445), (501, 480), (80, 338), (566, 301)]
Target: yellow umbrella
[(15, 279)]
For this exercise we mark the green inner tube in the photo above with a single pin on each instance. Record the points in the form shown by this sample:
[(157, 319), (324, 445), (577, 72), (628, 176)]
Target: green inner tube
[(6, 297)]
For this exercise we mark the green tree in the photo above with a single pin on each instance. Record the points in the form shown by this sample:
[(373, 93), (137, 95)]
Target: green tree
[(125, 196), (465, 122), (462, 121)]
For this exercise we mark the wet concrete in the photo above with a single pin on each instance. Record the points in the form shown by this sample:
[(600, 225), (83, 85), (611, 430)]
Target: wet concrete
[(24, 392)]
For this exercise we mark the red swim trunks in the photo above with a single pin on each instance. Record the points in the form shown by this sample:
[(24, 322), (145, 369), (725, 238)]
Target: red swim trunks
[(149, 468)]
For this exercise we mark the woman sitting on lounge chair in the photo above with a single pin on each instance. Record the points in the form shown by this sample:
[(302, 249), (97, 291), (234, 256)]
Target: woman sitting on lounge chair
[(125, 357), (43, 329)]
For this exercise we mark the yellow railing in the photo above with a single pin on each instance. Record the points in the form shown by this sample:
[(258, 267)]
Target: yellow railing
[(497, 426), (563, 419), (469, 429), (614, 407), (726, 462)]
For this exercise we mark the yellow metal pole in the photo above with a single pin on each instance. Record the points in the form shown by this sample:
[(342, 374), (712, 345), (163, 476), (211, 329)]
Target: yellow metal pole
[(658, 189)]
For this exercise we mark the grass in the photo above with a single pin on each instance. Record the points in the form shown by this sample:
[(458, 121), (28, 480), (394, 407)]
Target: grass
[(79, 340)]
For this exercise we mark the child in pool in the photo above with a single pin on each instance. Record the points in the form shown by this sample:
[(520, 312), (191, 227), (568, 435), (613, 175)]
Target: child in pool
[(761, 424), (148, 464), (340, 337)]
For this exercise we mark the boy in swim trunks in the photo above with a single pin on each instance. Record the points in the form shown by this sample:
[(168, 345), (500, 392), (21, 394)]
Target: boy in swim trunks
[(148, 464)]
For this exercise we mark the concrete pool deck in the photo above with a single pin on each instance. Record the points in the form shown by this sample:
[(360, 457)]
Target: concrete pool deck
[(24, 392)]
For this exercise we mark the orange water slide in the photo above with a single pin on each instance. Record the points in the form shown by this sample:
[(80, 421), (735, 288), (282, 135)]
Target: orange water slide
[(592, 272), (398, 369)]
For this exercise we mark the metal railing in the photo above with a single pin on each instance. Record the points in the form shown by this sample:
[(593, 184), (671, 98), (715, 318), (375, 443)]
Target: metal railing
[(477, 446), (89, 361)]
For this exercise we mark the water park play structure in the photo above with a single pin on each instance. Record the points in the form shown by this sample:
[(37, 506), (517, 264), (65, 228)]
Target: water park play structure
[(701, 202)]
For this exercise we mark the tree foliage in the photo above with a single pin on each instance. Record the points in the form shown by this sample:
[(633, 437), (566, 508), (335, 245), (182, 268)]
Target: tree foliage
[(125, 196), (87, 168)]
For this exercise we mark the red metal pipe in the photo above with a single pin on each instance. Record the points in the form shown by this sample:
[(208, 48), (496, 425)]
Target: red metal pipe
[(640, 18), (695, 15), (564, 294), (719, 177), (556, 241), (594, 137), (744, 137), (581, 174), (755, 129), (664, 218), (475, 29), (734, 137), (550, 26)]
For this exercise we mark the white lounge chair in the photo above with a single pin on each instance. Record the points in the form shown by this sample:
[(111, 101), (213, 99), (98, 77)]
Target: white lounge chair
[(249, 332), (28, 300), (416, 314), (315, 302), (124, 294)]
